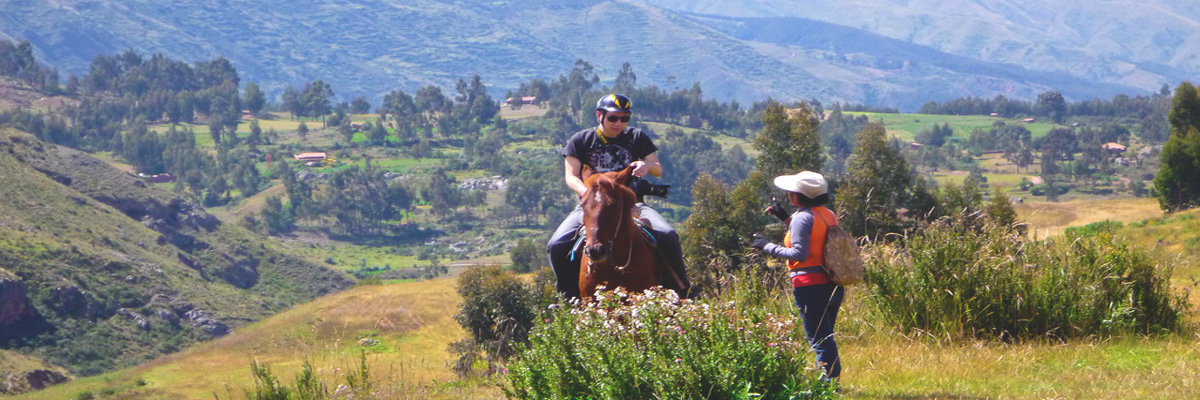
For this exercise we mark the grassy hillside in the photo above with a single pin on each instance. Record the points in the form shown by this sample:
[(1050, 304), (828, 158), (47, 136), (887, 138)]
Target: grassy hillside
[(409, 328), (1177, 238), (404, 329), (117, 272)]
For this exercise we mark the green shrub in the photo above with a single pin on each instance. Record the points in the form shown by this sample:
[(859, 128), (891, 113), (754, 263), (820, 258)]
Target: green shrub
[(497, 312), (957, 281), (652, 345), (1095, 228), (526, 256), (1040, 190)]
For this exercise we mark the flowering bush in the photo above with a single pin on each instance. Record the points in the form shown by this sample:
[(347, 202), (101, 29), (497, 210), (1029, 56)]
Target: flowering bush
[(653, 345)]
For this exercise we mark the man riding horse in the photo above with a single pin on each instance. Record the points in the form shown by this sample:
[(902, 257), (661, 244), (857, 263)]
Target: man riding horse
[(611, 146)]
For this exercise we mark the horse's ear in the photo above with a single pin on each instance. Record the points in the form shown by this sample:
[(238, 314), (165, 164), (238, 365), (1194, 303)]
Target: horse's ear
[(585, 171), (625, 175)]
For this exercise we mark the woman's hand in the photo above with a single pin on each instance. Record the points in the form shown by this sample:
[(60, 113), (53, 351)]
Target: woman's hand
[(759, 242)]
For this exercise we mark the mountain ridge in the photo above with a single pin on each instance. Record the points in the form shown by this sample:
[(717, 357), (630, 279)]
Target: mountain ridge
[(369, 47), (1143, 44)]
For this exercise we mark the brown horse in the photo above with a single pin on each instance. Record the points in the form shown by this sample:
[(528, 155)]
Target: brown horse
[(615, 252)]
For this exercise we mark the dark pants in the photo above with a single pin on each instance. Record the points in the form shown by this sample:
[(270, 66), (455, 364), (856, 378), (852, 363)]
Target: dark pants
[(567, 271), (819, 306)]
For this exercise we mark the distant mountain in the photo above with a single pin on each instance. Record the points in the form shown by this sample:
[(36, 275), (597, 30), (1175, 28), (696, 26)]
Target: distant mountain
[(100, 269), (879, 52), (1144, 44)]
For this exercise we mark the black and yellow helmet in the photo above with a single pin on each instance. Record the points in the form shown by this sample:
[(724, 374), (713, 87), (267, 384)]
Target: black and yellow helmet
[(614, 103)]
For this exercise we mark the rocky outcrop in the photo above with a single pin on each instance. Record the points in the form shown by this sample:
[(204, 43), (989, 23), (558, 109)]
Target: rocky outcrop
[(74, 302), (211, 326), (28, 381), (18, 318), (142, 322), (14, 303), (243, 273)]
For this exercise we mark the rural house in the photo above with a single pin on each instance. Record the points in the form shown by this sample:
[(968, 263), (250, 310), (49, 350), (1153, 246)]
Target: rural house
[(306, 157), (527, 100), (1113, 148)]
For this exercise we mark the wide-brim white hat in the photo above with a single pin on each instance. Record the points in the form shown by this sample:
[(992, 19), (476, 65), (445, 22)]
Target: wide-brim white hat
[(807, 183)]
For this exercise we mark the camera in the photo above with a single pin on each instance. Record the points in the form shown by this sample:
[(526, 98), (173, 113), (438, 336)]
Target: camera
[(642, 187)]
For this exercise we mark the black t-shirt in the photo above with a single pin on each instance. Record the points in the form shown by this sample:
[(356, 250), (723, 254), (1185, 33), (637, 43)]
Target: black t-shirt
[(609, 154)]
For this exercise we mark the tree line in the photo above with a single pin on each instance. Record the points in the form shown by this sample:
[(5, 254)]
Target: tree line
[(1148, 111)]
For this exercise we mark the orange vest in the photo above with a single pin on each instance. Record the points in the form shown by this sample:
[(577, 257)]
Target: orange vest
[(816, 249)]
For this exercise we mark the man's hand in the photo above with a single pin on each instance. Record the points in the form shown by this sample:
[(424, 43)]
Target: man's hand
[(640, 168)]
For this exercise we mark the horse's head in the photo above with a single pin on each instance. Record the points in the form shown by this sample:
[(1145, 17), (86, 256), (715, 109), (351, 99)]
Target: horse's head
[(606, 211)]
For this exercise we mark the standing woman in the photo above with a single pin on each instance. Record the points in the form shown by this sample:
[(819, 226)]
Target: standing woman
[(816, 296)]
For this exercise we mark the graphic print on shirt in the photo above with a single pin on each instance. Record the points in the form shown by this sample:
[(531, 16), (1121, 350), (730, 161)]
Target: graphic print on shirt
[(607, 157)]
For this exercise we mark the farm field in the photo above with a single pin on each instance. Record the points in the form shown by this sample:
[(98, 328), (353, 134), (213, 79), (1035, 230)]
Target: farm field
[(906, 126), (1047, 218)]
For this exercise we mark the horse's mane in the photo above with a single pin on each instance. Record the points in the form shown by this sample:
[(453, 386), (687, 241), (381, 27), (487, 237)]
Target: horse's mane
[(608, 183)]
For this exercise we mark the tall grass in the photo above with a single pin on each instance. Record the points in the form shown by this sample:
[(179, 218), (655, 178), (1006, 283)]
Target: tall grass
[(308, 385), (652, 345), (961, 280)]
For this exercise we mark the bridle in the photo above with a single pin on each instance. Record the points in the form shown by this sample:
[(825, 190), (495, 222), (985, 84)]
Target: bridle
[(616, 231)]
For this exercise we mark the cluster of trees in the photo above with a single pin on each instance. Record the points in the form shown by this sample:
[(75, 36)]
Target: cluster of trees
[(935, 136), (354, 200), (313, 101), (1147, 111), (17, 61), (838, 133), (431, 114), (879, 194), (160, 89), (1177, 183), (571, 100), (121, 89), (685, 156)]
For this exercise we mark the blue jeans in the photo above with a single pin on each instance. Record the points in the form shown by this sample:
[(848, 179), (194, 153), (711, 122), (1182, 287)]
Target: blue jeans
[(819, 306), (563, 240)]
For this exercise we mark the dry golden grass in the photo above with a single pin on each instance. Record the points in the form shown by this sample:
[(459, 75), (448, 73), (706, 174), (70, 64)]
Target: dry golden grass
[(1047, 219), (509, 113), (249, 206), (893, 367), (412, 322), (879, 363)]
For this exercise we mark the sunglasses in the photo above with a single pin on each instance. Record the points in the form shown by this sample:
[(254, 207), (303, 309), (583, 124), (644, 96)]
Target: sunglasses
[(614, 118)]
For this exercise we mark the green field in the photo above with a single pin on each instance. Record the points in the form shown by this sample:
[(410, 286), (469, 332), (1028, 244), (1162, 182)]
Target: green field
[(906, 126)]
